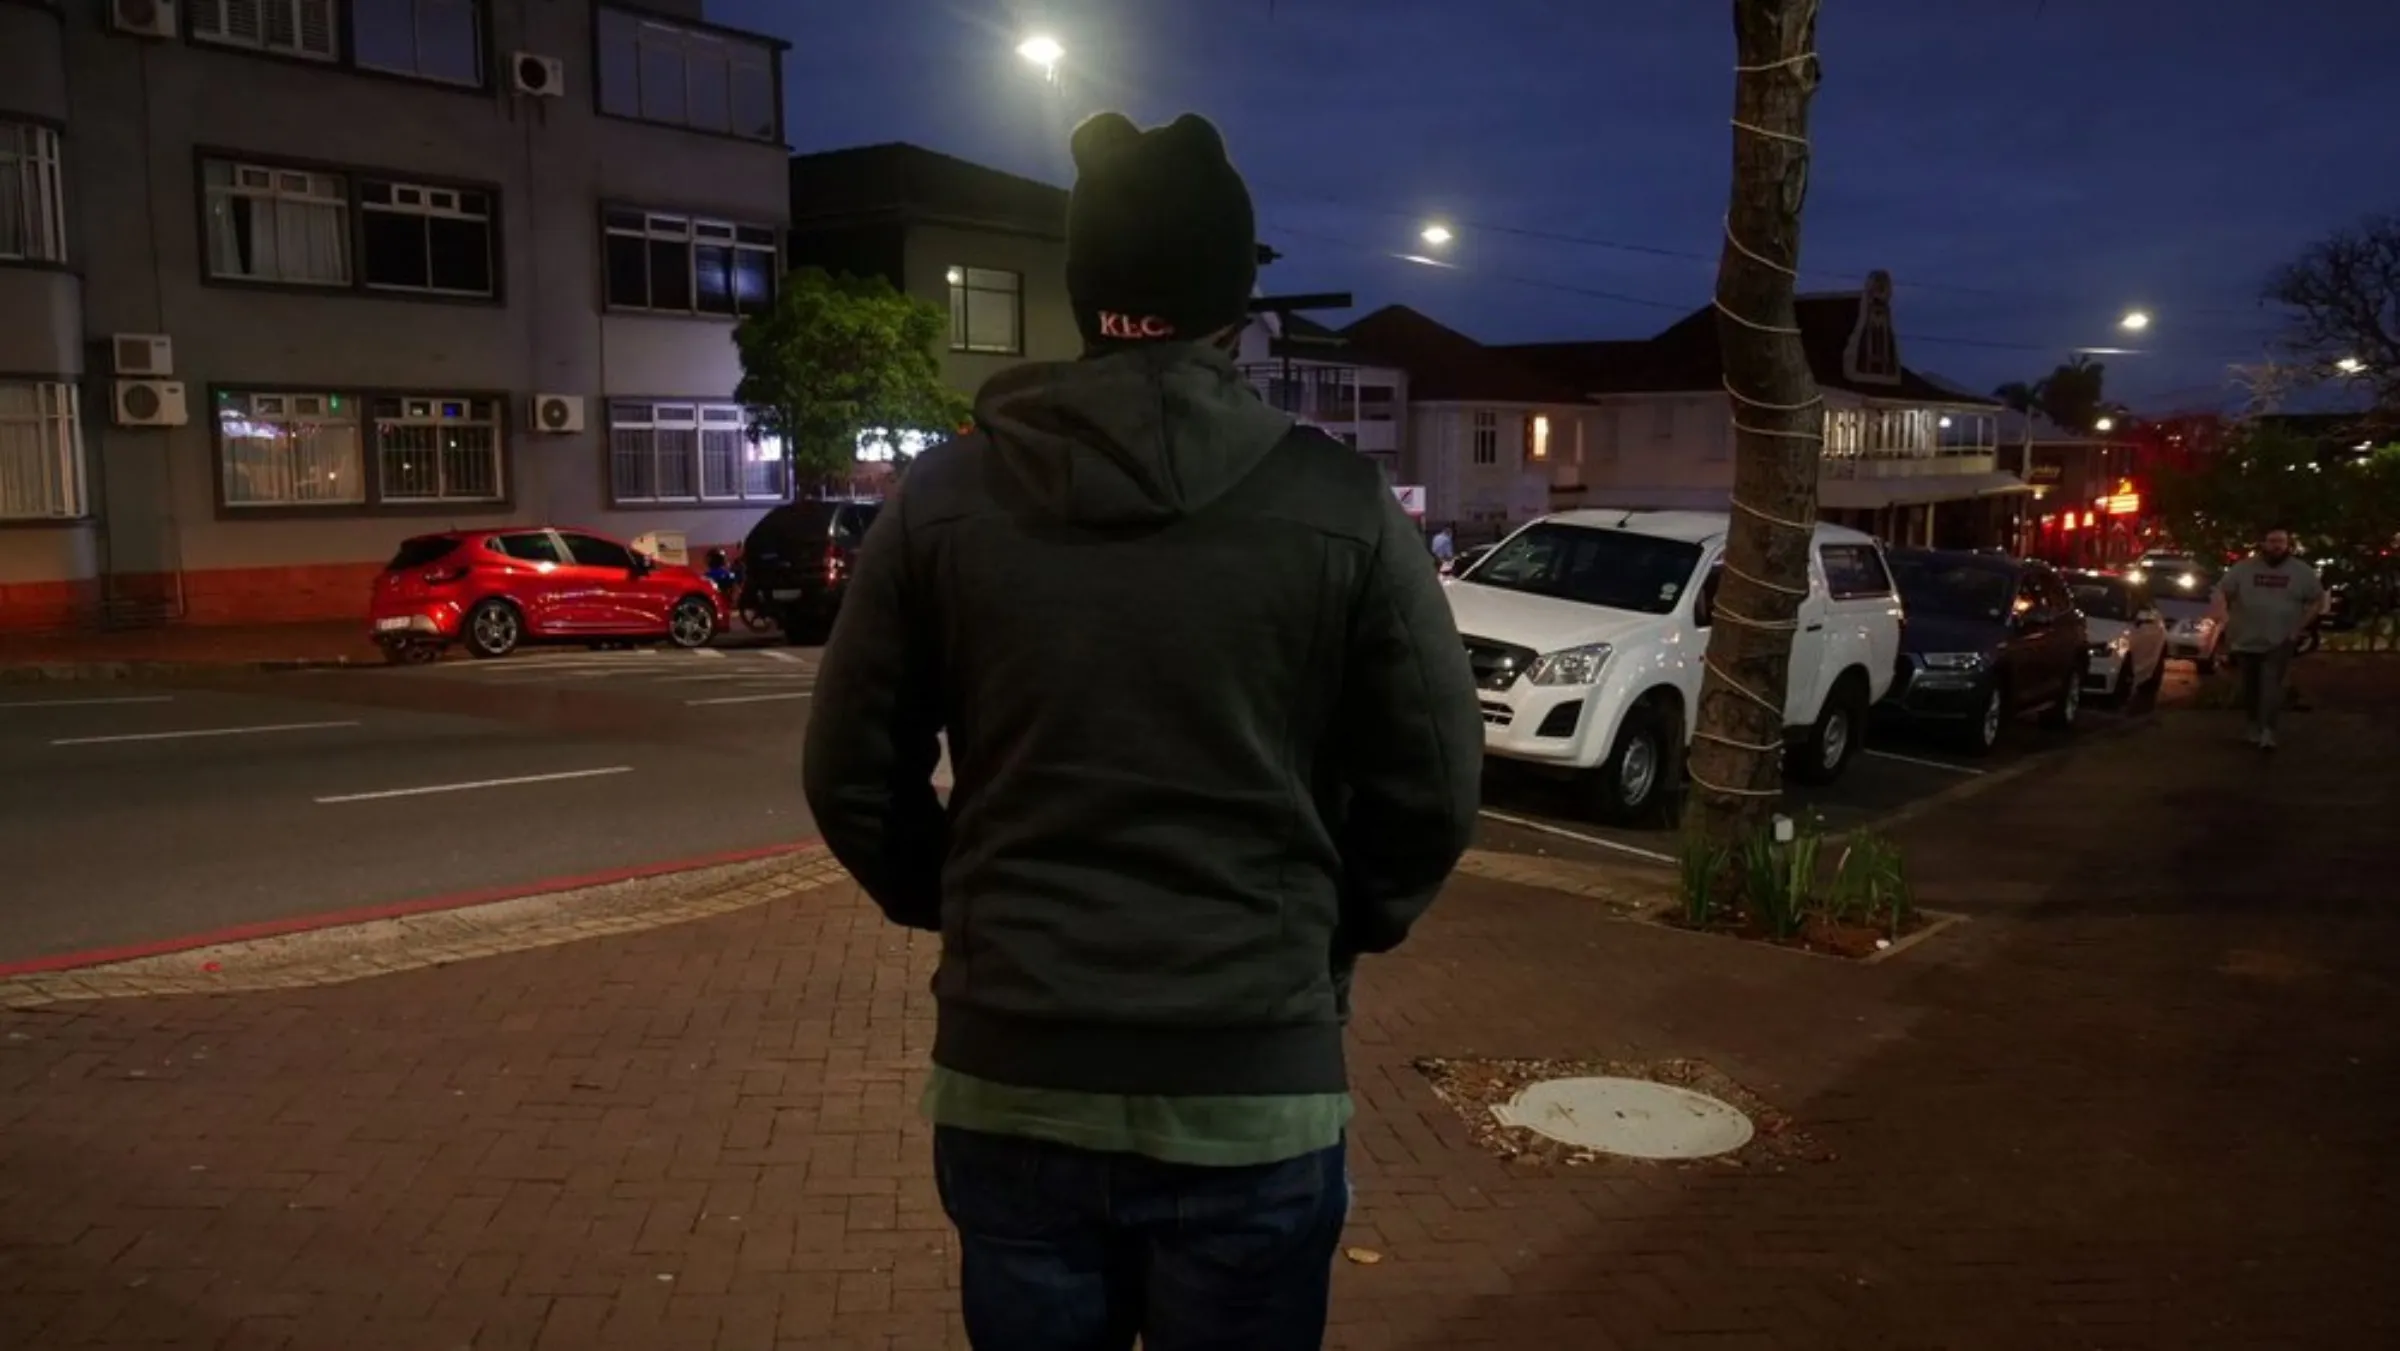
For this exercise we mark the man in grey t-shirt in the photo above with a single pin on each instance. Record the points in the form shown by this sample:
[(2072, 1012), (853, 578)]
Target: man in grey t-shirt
[(2258, 613)]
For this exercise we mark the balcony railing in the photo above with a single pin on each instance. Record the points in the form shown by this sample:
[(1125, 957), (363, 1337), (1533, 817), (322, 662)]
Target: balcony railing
[(1875, 442)]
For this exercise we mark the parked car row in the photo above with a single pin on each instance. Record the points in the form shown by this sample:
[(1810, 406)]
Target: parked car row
[(494, 591), (1588, 631)]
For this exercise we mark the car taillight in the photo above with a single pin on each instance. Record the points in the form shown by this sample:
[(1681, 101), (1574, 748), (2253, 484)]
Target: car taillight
[(444, 576), (833, 562)]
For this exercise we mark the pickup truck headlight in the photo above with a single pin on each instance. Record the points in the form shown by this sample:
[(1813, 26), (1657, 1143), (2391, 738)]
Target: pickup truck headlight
[(1954, 661), (1570, 666), (2121, 644)]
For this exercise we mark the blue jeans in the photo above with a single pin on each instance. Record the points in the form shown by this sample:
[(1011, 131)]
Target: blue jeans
[(1064, 1249)]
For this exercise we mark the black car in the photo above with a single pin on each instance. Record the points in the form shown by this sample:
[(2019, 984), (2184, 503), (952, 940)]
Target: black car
[(796, 563), (1985, 638)]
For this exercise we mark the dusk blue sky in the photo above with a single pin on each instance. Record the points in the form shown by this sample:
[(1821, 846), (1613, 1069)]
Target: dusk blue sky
[(2026, 169)]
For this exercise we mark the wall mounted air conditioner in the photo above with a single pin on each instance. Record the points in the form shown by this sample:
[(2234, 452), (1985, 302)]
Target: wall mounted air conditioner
[(141, 354), (558, 413), (150, 403), (143, 18), (544, 77)]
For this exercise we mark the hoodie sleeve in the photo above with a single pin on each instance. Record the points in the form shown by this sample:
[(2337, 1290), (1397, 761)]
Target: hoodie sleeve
[(873, 734), (1411, 742)]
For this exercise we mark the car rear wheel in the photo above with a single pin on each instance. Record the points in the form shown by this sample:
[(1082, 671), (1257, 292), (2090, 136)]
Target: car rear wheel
[(1981, 735), (693, 623), (1826, 750), (2062, 714), (494, 629)]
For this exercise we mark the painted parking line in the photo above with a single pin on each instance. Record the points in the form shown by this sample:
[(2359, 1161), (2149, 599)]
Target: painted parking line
[(1968, 770), (1599, 841), (745, 699), (91, 703), (778, 654), (430, 789), (201, 732)]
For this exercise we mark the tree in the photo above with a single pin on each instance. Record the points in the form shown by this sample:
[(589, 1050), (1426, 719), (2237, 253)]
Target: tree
[(2344, 506), (836, 356), (2341, 299), (1779, 425), (2070, 395)]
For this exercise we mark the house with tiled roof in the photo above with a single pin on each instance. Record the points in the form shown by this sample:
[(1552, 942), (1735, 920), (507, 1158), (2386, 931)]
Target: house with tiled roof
[(1495, 440), (1907, 456)]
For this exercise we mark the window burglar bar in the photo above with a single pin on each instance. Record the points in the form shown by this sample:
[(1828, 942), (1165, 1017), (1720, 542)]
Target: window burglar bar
[(41, 451), (289, 450), (291, 27), (681, 452), (437, 450), (33, 223)]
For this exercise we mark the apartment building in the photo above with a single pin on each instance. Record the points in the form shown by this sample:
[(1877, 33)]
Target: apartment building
[(286, 281), (988, 246), (1321, 378)]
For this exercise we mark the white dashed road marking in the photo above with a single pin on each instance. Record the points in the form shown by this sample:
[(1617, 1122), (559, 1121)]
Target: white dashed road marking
[(1544, 827), (1968, 770)]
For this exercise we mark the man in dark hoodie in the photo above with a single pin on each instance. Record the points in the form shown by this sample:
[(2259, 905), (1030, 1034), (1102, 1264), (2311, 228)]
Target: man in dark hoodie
[(1213, 735)]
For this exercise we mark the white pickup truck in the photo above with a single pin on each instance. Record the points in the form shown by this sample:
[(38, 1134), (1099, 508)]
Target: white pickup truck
[(1587, 629)]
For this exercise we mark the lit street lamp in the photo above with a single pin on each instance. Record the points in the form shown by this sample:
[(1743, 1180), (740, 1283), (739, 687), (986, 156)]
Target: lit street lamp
[(2350, 366), (1436, 235), (2134, 321), (2106, 424)]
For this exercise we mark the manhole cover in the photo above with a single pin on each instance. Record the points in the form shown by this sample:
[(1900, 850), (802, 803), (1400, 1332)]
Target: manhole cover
[(1635, 1118)]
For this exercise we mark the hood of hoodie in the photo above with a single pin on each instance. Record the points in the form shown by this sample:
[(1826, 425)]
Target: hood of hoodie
[(1139, 436)]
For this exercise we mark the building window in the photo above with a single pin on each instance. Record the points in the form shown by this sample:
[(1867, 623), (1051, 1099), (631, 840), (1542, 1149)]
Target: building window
[(289, 450), (1537, 437), (1486, 442), (413, 237), (679, 265), (33, 204), (663, 72), (286, 27), (436, 449), (986, 309), (277, 225), (429, 39), (41, 451), (691, 452)]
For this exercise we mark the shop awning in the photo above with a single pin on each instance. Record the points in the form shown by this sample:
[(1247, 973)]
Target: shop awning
[(1870, 494)]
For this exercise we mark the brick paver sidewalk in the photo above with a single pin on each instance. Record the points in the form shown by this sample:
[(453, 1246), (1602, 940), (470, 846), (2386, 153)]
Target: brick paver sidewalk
[(131, 651), (2145, 1099)]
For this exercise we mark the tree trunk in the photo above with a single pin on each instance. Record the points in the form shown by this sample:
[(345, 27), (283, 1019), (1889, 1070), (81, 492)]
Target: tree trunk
[(1736, 758)]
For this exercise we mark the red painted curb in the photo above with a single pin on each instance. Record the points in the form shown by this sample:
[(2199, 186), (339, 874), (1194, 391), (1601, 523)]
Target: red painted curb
[(278, 928)]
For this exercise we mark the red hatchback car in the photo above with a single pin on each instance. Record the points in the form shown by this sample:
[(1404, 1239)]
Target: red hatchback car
[(494, 590)]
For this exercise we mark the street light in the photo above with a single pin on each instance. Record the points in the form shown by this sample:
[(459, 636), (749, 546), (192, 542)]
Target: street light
[(2350, 366), (2106, 424), (1043, 50), (1436, 234), (2134, 321)]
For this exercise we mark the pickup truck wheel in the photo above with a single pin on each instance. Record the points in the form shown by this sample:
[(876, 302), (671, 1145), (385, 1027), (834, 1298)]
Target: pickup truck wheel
[(1631, 785), (1826, 750)]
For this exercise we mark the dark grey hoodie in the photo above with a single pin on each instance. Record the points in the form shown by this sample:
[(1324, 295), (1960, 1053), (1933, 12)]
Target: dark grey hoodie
[(1212, 730)]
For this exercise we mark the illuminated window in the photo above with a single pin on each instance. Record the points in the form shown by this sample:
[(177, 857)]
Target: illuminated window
[(41, 451), (691, 452), (437, 449), (986, 311), (289, 450), (1537, 437)]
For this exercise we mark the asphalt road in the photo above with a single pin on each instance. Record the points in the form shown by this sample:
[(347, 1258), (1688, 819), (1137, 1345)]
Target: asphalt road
[(131, 813), (134, 814)]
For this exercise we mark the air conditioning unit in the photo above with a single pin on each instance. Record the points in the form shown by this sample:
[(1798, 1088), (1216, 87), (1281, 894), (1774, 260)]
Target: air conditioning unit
[(143, 18), (141, 354), (544, 77), (151, 403), (558, 413)]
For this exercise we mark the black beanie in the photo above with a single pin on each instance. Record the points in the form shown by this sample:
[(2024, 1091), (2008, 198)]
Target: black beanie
[(1161, 242)]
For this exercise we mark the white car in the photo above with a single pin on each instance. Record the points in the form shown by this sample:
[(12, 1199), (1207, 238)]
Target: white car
[(1587, 631), (2126, 633)]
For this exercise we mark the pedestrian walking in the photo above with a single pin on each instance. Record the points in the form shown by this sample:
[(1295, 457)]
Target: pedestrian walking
[(1444, 548), (1213, 736), (2257, 613)]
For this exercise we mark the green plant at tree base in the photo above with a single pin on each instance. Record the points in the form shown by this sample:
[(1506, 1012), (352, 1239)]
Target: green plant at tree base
[(838, 356), (1702, 863), (1870, 886), (1776, 883)]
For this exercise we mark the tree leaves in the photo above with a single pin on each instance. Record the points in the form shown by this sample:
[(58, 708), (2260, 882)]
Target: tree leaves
[(839, 355)]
